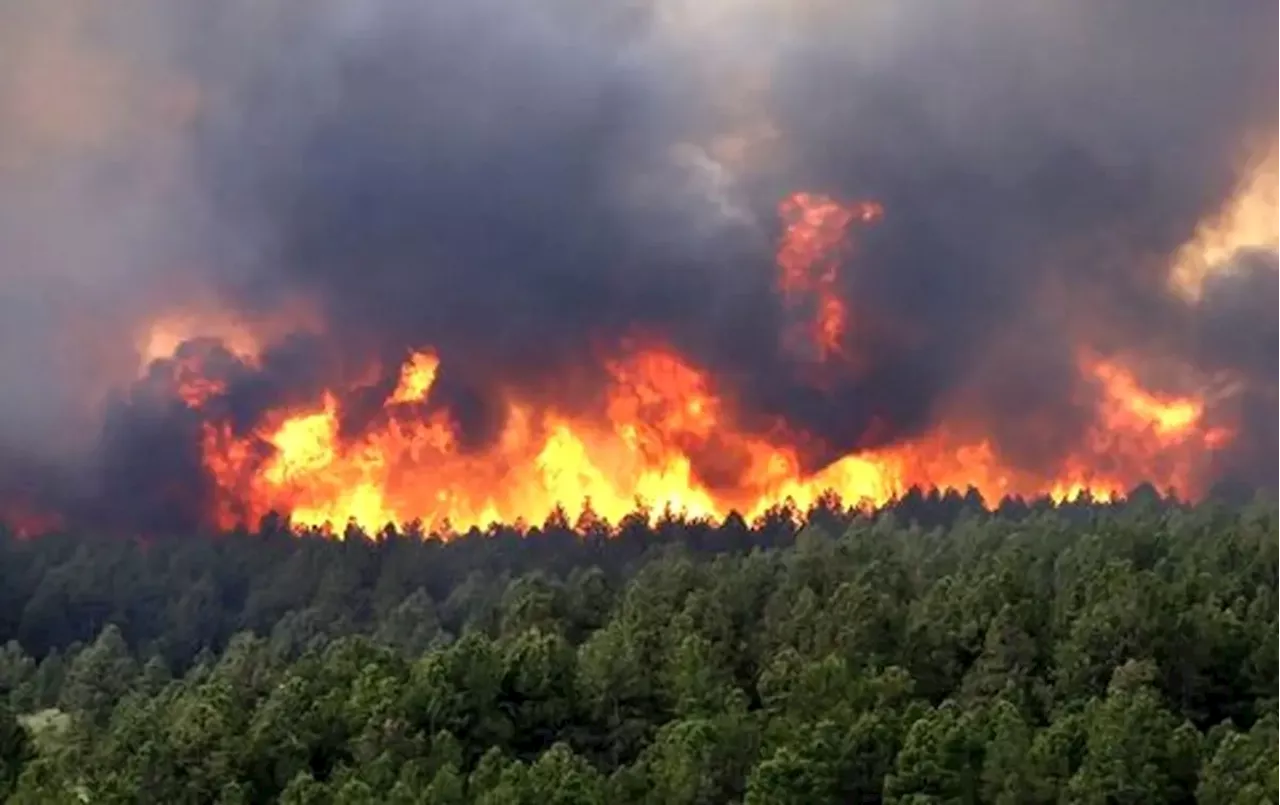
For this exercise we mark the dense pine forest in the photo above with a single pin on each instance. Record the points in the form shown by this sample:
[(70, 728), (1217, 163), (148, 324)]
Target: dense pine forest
[(931, 652)]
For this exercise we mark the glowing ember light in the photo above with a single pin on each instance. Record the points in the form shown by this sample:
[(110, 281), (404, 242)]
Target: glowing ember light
[(242, 336), (163, 337)]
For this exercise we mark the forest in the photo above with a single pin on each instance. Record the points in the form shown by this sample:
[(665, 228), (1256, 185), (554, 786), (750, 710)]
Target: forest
[(933, 651)]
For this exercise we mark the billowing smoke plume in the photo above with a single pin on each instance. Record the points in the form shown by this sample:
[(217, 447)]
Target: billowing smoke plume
[(524, 186)]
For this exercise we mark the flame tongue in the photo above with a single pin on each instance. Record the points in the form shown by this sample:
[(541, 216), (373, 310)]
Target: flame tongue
[(813, 245)]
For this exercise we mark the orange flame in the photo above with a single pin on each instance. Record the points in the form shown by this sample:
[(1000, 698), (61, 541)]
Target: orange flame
[(416, 378), (662, 419), (1249, 219), (813, 245)]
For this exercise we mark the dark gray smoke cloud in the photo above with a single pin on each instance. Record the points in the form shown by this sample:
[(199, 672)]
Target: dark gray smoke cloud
[(1065, 149), (524, 185)]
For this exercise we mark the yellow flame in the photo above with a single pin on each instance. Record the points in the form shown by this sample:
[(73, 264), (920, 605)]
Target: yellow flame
[(1249, 219)]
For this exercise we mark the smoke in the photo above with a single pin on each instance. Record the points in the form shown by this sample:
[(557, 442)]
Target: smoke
[(525, 186), (102, 219)]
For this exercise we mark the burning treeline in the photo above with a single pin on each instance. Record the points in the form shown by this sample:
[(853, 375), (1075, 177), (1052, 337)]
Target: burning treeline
[(599, 269), (662, 434)]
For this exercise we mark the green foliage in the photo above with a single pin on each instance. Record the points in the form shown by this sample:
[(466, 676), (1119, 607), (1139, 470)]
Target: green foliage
[(15, 750), (930, 653)]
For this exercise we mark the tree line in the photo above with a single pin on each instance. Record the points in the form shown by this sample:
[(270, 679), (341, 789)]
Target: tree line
[(933, 651)]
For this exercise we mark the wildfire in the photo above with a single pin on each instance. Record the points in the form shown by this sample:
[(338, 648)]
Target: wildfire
[(666, 437), (1250, 219), (1137, 431), (416, 378), (662, 419), (813, 244), (1136, 436), (184, 338)]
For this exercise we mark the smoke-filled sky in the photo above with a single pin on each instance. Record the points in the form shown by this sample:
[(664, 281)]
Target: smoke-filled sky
[(524, 184)]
